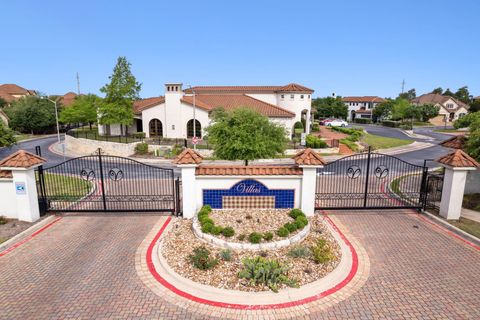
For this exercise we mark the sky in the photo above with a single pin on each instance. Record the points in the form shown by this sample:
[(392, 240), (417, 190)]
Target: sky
[(343, 47)]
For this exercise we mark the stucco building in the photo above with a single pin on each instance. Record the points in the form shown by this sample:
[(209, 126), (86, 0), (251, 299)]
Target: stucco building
[(450, 108), (171, 115), (361, 107)]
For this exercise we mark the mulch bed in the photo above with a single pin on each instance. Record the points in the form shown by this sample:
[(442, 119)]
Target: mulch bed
[(180, 241), (12, 228), (246, 221)]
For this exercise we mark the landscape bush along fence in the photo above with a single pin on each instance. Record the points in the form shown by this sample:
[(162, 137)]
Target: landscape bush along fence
[(391, 123), (362, 120), (93, 135)]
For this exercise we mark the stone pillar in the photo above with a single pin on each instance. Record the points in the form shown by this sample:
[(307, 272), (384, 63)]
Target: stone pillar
[(309, 183), (452, 192), (188, 190)]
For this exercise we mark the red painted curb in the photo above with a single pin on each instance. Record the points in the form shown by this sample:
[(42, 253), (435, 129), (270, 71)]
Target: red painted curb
[(19, 243), (191, 297)]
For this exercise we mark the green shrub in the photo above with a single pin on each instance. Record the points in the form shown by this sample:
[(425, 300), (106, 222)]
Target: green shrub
[(139, 135), (301, 222), (205, 219), (226, 255), (362, 120), (298, 127), (315, 142), (294, 213), (228, 232), (3, 220), (207, 227), (241, 237), (291, 227), (299, 252), (206, 208), (216, 230), (176, 150), (267, 236), (267, 272), (200, 258), (406, 126), (391, 123), (352, 145), (315, 127), (321, 252), (255, 237), (283, 232), (141, 148)]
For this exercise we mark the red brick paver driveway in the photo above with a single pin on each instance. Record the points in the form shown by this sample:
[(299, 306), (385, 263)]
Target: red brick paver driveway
[(83, 267)]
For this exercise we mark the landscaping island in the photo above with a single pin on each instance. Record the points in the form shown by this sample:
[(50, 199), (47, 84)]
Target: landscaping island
[(266, 267)]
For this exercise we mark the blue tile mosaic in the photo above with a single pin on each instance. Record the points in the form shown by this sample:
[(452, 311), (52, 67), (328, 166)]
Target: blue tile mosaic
[(284, 198)]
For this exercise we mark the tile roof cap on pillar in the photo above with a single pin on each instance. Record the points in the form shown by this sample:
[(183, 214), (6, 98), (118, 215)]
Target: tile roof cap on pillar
[(455, 142), (459, 159), (308, 157), (22, 159), (188, 156)]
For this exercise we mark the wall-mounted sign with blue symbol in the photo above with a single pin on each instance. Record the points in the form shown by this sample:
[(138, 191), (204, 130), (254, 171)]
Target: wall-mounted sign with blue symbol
[(249, 194), (20, 188)]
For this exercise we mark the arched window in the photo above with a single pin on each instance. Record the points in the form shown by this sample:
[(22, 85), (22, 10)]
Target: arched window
[(198, 129), (155, 128)]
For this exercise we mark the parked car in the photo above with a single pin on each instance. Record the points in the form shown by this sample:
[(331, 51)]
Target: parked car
[(324, 122), (337, 123)]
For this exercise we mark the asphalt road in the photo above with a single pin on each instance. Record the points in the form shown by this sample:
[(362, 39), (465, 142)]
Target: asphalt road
[(44, 143)]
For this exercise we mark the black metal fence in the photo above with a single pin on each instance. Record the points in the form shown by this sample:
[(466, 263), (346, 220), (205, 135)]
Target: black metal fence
[(93, 135), (433, 189), (370, 181), (101, 183)]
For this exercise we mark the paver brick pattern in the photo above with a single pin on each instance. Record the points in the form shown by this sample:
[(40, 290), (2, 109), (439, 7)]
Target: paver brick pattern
[(83, 268)]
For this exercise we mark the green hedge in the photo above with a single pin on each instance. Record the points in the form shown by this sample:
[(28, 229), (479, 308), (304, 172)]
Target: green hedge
[(391, 123), (362, 120), (315, 142)]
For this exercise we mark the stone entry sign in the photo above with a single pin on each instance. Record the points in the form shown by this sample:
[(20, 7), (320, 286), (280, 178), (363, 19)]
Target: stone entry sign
[(249, 194)]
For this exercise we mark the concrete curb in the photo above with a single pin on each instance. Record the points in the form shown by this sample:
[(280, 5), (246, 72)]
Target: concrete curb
[(27, 232), (459, 232)]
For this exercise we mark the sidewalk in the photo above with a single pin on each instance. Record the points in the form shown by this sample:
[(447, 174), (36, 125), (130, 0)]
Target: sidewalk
[(470, 214)]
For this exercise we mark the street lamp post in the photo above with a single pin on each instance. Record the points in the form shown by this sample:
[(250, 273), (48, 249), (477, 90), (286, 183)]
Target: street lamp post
[(56, 116), (194, 118)]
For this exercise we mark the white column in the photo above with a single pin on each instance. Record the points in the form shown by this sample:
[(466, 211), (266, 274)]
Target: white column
[(188, 190), (26, 196), (309, 183), (307, 122), (452, 192)]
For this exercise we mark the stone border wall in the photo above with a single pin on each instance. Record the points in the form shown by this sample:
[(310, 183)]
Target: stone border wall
[(82, 146)]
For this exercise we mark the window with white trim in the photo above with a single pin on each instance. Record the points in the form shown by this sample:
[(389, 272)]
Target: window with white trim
[(292, 96)]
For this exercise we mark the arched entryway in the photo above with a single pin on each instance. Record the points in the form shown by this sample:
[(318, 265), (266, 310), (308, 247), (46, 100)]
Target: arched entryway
[(155, 128), (353, 114), (198, 129), (305, 119)]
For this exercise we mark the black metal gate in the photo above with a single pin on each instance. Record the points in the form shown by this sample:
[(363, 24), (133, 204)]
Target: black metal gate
[(103, 183), (433, 190), (370, 181)]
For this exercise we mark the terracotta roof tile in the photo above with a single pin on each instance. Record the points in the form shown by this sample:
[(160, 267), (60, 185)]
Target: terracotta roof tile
[(247, 170), (455, 142), (292, 87), (363, 99), (233, 101), (437, 98), (68, 98), (13, 89), (459, 159), (188, 156), (21, 159), (308, 157), (140, 105), (6, 174)]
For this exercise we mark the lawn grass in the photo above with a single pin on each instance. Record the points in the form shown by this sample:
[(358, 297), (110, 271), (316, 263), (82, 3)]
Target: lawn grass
[(3, 239), (379, 142), (472, 201), (448, 130), (65, 188), (467, 225)]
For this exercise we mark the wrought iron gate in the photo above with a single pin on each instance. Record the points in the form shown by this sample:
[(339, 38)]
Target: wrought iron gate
[(370, 181), (433, 190), (102, 183)]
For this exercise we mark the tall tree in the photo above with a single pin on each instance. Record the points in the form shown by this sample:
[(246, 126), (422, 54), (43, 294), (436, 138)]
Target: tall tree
[(409, 95), (448, 93), (123, 89), (244, 134), (463, 95), (330, 107), (31, 114), (7, 137), (438, 90), (383, 110), (82, 110), (475, 106)]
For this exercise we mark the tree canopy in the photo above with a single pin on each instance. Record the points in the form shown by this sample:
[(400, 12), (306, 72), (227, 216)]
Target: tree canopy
[(330, 107), (31, 114), (3, 103), (7, 137), (383, 110), (409, 95), (244, 134), (82, 110), (401, 109), (123, 89)]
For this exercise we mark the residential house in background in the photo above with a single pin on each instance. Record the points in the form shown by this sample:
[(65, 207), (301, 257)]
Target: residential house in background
[(171, 115), (11, 92), (67, 99), (450, 108), (361, 107)]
